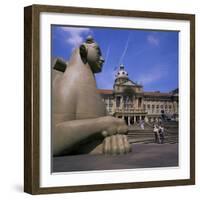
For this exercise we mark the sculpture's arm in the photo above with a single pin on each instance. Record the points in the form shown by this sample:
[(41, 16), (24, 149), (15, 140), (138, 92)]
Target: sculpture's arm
[(68, 134)]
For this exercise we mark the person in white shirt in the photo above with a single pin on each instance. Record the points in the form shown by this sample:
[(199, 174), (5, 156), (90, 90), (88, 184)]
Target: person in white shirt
[(156, 134), (161, 134)]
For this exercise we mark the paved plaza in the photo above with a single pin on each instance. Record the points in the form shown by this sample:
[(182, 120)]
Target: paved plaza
[(142, 156)]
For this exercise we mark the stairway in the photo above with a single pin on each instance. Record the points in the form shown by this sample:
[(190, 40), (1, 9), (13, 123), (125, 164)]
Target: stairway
[(146, 135)]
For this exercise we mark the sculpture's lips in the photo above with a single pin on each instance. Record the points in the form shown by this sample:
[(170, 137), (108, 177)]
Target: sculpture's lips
[(100, 63)]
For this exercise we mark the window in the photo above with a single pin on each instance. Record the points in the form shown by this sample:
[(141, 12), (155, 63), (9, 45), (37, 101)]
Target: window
[(118, 100), (139, 102)]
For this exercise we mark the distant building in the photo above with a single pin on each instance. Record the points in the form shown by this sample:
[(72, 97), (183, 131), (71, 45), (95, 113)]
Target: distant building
[(127, 100)]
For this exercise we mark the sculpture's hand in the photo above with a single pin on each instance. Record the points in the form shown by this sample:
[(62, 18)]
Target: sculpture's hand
[(116, 144), (113, 126)]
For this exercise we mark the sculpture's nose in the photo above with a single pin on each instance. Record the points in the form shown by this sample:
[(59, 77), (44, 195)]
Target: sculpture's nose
[(102, 60)]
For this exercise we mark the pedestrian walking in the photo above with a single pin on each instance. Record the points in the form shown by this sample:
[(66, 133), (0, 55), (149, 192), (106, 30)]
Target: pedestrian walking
[(142, 124), (161, 134), (156, 134)]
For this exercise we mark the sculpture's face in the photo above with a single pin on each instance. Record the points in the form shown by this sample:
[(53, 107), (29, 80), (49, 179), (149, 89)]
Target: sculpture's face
[(94, 57)]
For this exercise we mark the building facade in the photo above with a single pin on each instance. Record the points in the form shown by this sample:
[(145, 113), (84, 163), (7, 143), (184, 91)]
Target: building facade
[(127, 100)]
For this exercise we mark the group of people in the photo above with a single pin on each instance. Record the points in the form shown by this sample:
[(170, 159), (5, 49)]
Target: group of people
[(158, 134)]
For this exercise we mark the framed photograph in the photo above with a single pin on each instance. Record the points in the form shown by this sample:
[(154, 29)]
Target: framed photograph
[(109, 99)]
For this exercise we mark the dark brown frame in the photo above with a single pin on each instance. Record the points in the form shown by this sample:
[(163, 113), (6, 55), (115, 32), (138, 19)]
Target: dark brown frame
[(32, 105)]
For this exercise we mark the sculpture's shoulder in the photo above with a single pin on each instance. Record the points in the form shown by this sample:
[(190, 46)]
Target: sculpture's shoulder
[(63, 117)]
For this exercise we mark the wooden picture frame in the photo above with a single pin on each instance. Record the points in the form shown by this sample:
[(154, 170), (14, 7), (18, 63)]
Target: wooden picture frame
[(32, 106)]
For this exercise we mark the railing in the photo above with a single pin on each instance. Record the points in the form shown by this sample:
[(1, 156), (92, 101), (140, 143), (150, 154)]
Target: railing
[(128, 110)]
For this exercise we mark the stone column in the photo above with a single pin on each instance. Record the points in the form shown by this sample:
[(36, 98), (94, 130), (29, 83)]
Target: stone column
[(136, 103), (134, 119), (129, 123)]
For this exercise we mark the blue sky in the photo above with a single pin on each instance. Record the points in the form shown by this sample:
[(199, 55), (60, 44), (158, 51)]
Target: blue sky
[(150, 57)]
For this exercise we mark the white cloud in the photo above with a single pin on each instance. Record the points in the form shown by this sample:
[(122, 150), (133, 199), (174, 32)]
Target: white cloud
[(154, 75), (75, 35), (149, 78), (153, 40)]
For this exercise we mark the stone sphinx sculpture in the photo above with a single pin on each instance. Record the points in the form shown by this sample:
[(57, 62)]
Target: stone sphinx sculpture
[(79, 121)]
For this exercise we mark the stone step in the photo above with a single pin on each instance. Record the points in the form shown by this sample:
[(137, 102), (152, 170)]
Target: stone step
[(149, 135), (150, 132), (149, 140)]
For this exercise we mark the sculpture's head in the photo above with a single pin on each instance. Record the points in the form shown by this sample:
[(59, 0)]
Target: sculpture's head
[(90, 53)]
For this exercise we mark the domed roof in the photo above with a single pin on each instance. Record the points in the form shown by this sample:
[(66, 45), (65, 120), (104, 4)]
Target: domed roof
[(122, 73)]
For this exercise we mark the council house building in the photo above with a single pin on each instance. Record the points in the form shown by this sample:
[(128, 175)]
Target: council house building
[(130, 102)]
